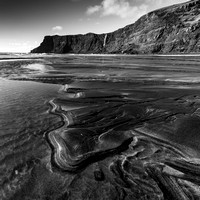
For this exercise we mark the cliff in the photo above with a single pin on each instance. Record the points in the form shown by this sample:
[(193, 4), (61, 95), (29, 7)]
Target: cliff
[(173, 29)]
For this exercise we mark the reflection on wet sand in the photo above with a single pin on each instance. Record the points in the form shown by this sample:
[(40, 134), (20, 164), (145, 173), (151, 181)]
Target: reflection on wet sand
[(122, 130)]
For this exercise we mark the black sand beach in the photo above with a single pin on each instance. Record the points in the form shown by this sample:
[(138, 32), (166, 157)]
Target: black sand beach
[(100, 127)]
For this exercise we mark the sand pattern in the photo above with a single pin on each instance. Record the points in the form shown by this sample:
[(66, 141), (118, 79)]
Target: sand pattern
[(119, 127)]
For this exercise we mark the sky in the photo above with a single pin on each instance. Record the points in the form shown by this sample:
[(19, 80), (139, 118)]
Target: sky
[(24, 23)]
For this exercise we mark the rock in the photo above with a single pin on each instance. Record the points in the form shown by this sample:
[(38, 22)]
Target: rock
[(99, 175), (89, 43), (173, 29)]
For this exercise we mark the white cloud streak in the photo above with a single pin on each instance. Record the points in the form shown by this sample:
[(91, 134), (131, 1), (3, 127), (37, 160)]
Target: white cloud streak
[(57, 28)]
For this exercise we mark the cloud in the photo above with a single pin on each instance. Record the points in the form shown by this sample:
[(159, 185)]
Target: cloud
[(128, 9), (93, 9), (120, 8), (21, 46), (57, 28)]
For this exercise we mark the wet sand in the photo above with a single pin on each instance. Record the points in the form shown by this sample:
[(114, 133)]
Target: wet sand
[(119, 127)]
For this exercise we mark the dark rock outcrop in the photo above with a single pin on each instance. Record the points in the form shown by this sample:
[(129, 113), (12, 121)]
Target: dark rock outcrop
[(173, 29)]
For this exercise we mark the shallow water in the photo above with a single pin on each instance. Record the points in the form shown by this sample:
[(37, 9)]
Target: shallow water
[(100, 127), (22, 101)]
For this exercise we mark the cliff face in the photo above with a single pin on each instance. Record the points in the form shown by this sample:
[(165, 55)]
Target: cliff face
[(89, 43), (173, 29)]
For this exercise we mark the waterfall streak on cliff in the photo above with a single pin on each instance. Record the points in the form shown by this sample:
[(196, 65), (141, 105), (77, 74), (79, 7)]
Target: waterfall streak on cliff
[(104, 43)]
